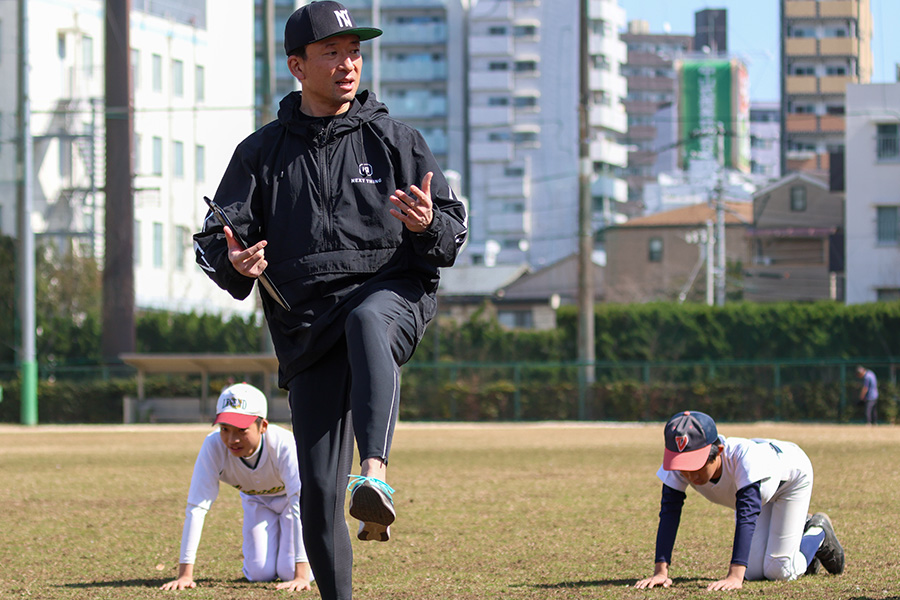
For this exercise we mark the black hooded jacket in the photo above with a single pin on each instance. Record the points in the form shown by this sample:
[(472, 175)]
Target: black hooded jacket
[(317, 190)]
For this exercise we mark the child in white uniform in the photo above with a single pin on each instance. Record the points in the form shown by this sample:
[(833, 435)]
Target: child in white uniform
[(260, 460), (768, 483)]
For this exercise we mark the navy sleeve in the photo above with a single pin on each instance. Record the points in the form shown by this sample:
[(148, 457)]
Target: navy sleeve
[(669, 519), (746, 510)]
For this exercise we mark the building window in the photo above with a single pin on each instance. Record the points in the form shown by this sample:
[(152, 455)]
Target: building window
[(498, 101), (178, 78), (157, 72), (525, 102), (158, 245), (835, 70), (526, 66), (137, 243), (887, 294), (178, 159), (798, 198), (181, 245), (199, 84), (157, 156), (200, 164), (497, 30), (135, 69), (888, 141), (524, 31), (888, 225), (498, 66), (655, 250), (87, 51), (515, 319)]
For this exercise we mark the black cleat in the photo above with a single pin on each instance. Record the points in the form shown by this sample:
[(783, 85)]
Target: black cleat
[(830, 553)]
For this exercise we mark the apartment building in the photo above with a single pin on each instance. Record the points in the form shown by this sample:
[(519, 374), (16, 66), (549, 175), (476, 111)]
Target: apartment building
[(523, 78), (192, 98), (872, 193), (650, 74), (274, 82), (417, 68), (765, 141), (825, 45)]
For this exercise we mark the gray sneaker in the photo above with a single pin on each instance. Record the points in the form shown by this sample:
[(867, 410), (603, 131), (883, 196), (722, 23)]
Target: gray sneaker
[(830, 553), (371, 502)]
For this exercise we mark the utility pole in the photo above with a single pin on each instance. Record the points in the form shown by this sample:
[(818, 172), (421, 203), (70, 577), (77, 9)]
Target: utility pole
[(118, 334), (585, 230), (720, 216), (25, 206)]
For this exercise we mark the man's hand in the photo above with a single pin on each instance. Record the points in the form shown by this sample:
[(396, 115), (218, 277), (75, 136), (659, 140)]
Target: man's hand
[(250, 262), (415, 209)]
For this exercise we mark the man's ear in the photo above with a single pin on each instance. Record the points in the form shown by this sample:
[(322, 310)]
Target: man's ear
[(295, 65)]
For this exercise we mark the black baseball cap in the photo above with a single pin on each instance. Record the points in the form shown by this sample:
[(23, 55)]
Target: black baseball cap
[(689, 435), (320, 20)]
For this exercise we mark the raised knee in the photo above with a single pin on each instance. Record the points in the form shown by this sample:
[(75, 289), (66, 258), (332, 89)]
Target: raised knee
[(258, 572)]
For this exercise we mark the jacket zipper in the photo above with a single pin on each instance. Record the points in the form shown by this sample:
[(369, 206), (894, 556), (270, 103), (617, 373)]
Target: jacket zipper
[(325, 176)]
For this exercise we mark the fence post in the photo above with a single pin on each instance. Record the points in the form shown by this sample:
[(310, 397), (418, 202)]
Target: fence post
[(777, 377), (843, 400), (517, 393)]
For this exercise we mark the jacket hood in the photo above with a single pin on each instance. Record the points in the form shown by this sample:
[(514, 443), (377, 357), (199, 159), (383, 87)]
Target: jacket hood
[(365, 108)]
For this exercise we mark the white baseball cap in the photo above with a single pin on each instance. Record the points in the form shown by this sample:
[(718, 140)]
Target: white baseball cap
[(240, 405)]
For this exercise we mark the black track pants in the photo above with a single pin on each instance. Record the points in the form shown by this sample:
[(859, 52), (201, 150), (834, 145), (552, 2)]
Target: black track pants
[(354, 387)]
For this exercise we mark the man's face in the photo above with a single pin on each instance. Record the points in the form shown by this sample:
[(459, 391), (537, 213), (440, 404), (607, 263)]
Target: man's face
[(330, 75)]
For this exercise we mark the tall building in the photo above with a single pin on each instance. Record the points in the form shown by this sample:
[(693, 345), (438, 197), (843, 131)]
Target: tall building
[(192, 98), (275, 81), (872, 194), (650, 74), (825, 45), (523, 77), (765, 141), (417, 68), (711, 30)]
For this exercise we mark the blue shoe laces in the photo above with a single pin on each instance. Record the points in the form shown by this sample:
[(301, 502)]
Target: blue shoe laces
[(358, 480)]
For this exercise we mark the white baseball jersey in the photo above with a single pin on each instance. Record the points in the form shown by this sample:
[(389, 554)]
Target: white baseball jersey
[(275, 479), (770, 462)]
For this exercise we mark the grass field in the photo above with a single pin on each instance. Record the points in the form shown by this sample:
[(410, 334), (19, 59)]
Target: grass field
[(544, 511)]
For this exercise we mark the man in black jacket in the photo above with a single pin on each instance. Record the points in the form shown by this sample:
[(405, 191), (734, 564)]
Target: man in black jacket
[(348, 213)]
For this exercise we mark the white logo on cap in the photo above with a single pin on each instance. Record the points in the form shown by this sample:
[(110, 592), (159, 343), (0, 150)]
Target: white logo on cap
[(343, 17)]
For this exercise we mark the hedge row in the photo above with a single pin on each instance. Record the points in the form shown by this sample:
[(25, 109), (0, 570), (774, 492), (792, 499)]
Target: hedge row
[(428, 399)]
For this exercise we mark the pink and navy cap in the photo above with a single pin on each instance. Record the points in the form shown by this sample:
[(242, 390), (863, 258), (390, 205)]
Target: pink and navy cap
[(689, 435)]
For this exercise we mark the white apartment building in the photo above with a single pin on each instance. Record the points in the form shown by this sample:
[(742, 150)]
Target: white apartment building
[(417, 68), (872, 167), (193, 102), (523, 76)]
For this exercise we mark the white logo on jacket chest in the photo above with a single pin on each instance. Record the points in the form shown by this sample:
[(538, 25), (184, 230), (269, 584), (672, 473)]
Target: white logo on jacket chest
[(366, 170)]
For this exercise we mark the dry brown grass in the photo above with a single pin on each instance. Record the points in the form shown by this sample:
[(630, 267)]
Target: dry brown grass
[(543, 511)]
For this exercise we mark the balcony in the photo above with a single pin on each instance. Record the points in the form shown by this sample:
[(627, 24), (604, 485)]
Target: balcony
[(413, 71), (491, 151), (609, 118), (800, 47), (839, 47), (419, 34), (609, 152), (835, 84), (509, 222), (418, 107), (490, 115), (801, 123), (486, 81), (491, 45), (800, 9), (609, 82), (609, 46), (508, 187), (831, 123), (610, 187), (801, 84), (840, 9)]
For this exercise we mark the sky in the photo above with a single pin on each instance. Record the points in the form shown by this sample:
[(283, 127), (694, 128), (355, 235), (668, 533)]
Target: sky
[(753, 30)]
